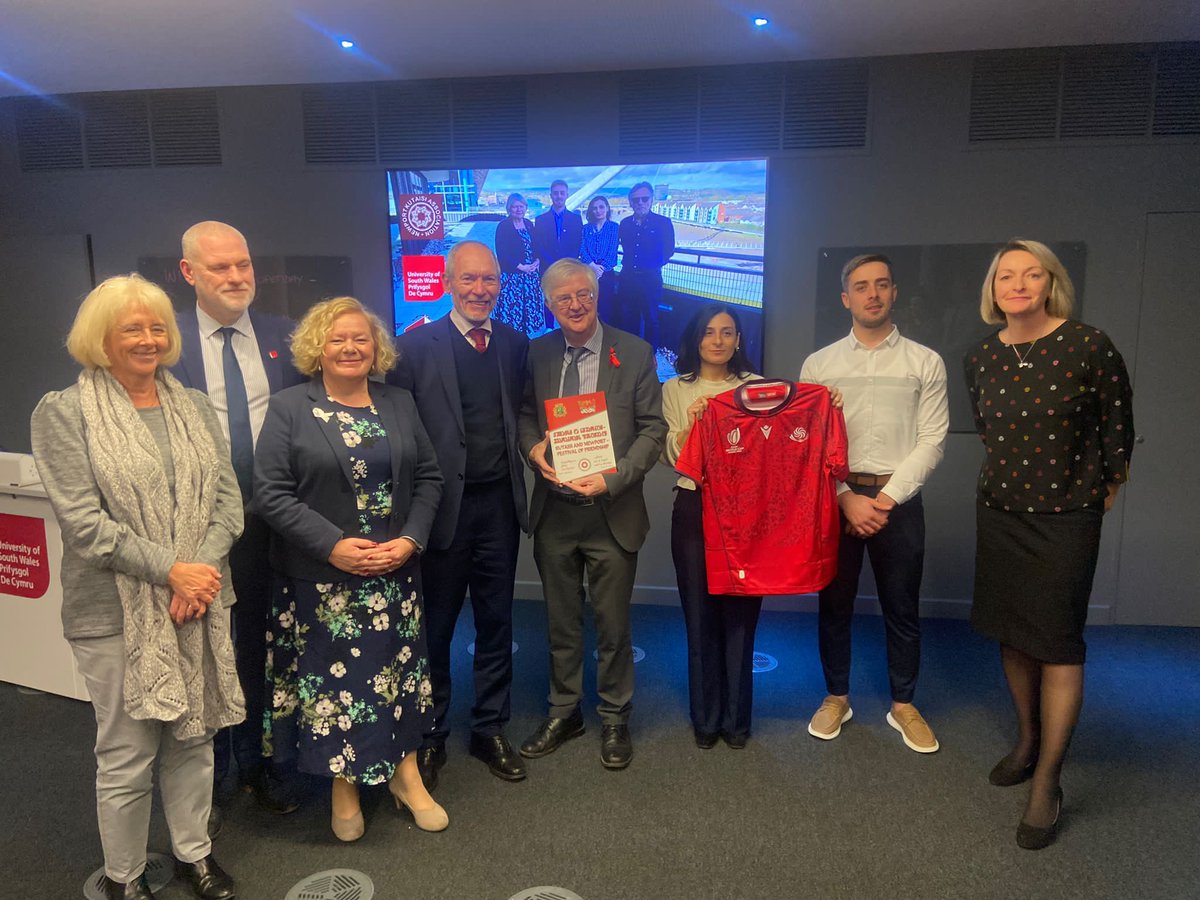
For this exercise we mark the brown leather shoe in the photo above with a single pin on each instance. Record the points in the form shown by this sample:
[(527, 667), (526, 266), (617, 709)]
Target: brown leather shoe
[(915, 730)]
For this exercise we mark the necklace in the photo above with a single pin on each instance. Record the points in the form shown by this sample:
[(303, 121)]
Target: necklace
[(1021, 360)]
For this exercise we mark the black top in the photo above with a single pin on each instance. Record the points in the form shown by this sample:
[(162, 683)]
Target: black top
[(1056, 417), (648, 244)]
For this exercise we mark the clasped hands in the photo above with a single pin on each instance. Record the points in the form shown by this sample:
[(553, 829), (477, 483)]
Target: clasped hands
[(194, 586), (865, 516), (589, 485), (360, 556)]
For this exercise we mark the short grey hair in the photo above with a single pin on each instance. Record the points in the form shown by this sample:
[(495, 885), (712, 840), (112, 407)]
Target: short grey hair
[(191, 238), (452, 256), (566, 268)]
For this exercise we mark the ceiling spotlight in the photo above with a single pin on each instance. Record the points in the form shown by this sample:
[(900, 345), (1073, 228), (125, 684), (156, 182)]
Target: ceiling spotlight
[(346, 44), (760, 22)]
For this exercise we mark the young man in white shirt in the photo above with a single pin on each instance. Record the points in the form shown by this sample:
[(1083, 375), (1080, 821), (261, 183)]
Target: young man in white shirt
[(896, 422)]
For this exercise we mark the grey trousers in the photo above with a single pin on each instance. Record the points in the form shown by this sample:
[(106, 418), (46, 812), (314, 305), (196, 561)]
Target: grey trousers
[(126, 749), (568, 541)]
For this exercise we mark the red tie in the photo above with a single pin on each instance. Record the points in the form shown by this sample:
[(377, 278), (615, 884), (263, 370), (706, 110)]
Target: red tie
[(478, 336)]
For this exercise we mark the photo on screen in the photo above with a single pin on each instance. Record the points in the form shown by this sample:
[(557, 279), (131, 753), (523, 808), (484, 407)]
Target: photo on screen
[(715, 211)]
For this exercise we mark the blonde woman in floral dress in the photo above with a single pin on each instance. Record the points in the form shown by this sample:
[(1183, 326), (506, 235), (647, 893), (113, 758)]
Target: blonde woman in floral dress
[(347, 479)]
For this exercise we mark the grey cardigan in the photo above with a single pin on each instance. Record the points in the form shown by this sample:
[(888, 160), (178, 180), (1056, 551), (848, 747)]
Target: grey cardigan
[(94, 544)]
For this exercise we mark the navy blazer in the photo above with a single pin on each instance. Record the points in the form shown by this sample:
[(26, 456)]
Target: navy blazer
[(629, 379), (427, 369), (510, 249), (270, 331), (304, 490), (549, 247)]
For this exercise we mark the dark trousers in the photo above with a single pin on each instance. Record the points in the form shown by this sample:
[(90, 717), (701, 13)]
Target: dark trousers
[(638, 297), (609, 310), (897, 559), (568, 541), (482, 558), (252, 583), (720, 631)]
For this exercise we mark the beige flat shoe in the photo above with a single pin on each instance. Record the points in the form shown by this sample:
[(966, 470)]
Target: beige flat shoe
[(434, 819), (348, 829)]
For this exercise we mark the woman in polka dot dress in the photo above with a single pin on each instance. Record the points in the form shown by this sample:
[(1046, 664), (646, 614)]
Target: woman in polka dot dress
[(1052, 403)]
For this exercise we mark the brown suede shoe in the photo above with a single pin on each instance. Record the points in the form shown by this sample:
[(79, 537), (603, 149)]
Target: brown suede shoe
[(915, 730), (826, 722)]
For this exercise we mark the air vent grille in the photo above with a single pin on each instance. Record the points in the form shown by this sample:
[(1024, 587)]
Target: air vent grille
[(489, 120), (659, 114), (339, 123), (185, 128), (825, 106), (1105, 95), (116, 131), (49, 134), (414, 122), (740, 110), (1177, 94), (1117, 93)]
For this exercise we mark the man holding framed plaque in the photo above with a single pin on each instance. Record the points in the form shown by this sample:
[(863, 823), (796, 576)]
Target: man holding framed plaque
[(595, 522)]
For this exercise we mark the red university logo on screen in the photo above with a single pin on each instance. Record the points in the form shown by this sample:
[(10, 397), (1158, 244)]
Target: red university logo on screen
[(24, 568), (423, 278), (421, 217)]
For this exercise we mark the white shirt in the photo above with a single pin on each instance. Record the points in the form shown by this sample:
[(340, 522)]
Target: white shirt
[(245, 348), (896, 408), (463, 326), (677, 396)]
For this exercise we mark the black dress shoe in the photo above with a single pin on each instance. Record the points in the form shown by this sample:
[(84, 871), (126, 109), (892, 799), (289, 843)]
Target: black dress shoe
[(216, 820), (272, 793), (552, 734), (430, 760), (616, 747), (735, 741), (706, 740), (137, 889), (502, 761), (1006, 773), (1033, 837), (208, 880)]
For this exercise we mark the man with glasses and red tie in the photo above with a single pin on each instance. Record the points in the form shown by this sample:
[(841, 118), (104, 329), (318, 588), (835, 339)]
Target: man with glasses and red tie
[(594, 524), (647, 244), (466, 373)]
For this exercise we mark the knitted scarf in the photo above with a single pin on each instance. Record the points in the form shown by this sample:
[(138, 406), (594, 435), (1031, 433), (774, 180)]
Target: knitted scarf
[(183, 675)]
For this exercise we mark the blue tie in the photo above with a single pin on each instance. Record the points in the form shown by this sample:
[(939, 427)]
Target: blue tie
[(241, 438)]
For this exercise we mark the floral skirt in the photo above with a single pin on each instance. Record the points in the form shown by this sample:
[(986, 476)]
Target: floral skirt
[(348, 675)]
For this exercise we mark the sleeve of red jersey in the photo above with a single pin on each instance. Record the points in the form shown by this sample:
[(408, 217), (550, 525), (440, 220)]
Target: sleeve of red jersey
[(837, 461), (691, 458)]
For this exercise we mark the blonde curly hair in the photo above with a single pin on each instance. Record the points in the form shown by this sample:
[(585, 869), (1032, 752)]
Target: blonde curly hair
[(308, 340)]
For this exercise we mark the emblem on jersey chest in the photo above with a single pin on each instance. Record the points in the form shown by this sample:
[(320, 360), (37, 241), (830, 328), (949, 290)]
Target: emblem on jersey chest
[(766, 430), (735, 438), (799, 435)]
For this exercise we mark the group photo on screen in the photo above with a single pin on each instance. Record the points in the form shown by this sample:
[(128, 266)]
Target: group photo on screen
[(663, 240)]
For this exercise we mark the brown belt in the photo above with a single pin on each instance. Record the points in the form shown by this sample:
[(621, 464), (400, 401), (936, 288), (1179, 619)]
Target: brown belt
[(862, 479)]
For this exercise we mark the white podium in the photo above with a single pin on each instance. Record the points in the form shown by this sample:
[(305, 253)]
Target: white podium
[(33, 651)]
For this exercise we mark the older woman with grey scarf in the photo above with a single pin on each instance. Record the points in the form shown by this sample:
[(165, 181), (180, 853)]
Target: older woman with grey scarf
[(137, 470)]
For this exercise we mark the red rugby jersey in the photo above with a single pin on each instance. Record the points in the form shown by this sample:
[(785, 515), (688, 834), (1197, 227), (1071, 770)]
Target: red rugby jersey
[(767, 480)]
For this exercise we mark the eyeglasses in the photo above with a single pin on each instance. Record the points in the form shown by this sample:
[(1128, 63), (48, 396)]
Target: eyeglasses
[(640, 199), (584, 298)]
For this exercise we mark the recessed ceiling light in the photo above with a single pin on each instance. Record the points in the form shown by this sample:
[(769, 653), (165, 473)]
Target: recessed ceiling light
[(346, 44), (760, 22)]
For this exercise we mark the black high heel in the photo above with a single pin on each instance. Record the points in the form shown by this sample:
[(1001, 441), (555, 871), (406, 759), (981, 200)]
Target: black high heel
[(1031, 837), (1006, 774)]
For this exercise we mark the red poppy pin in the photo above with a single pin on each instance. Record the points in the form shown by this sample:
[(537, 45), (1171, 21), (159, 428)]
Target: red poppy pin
[(612, 358), (274, 354)]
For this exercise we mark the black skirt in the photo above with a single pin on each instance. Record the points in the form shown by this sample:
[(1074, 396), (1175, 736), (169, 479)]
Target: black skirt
[(1033, 578)]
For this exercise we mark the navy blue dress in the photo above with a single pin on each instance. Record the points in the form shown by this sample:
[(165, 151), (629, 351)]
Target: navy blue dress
[(346, 665)]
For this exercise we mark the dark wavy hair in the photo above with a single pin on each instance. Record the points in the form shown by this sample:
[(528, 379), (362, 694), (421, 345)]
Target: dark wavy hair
[(688, 362)]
